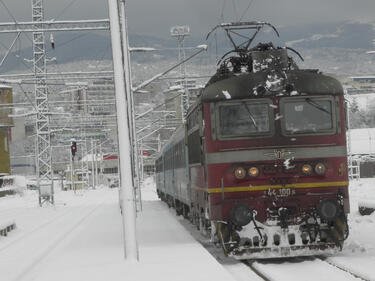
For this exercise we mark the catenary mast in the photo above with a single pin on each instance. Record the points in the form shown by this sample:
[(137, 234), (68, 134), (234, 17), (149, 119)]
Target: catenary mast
[(43, 142)]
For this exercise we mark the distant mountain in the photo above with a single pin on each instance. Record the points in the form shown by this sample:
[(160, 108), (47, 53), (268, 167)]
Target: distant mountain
[(74, 47), (70, 47)]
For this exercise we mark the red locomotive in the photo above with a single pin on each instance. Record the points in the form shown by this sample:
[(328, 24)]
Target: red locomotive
[(261, 162)]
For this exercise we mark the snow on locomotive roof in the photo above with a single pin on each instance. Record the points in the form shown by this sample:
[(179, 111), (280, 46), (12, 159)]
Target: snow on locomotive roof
[(245, 85)]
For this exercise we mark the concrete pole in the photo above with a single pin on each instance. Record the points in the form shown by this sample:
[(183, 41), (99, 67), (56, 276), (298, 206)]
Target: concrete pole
[(129, 96), (87, 162), (96, 164), (126, 182), (100, 162), (92, 164), (142, 163), (71, 173)]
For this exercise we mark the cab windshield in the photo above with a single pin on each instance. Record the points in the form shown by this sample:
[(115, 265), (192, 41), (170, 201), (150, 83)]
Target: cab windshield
[(244, 119), (308, 116)]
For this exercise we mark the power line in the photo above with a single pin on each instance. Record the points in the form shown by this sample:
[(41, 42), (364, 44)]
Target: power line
[(66, 8), (248, 7), (9, 12), (235, 8)]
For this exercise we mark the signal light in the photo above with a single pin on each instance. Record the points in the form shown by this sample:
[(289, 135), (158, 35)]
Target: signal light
[(73, 148)]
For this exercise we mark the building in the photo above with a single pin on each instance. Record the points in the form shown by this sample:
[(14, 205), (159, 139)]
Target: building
[(22, 143), (6, 123), (361, 151)]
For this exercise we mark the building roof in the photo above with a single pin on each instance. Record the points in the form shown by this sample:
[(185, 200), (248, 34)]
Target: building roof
[(4, 86)]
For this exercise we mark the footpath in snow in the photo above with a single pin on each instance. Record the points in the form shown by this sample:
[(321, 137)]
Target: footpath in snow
[(81, 239)]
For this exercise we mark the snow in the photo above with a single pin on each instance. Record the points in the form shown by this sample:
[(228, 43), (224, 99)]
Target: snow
[(80, 238), (300, 269), (314, 37), (175, 87), (4, 86), (362, 141), (90, 157), (287, 164), (227, 95), (141, 49), (203, 46), (278, 116), (294, 93), (367, 204)]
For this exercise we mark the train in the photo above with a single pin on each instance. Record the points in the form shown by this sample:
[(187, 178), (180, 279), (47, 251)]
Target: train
[(260, 166)]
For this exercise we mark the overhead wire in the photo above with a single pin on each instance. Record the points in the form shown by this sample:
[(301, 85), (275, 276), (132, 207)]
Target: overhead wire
[(74, 38), (222, 11), (27, 66), (248, 7), (235, 9), (13, 17), (65, 9), (9, 12)]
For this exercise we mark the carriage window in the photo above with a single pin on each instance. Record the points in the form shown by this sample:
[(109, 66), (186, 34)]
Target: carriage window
[(308, 115), (243, 119)]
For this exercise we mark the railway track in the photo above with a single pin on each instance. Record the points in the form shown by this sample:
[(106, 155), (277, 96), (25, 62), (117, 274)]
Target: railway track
[(315, 272), (36, 229), (346, 270), (37, 243), (32, 267)]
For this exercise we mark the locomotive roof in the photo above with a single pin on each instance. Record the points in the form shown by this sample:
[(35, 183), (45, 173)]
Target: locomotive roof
[(246, 85)]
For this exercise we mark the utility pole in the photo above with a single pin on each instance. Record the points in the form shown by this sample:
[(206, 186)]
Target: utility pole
[(126, 183)]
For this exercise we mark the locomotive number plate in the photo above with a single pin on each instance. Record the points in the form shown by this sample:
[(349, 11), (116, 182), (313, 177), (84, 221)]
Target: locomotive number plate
[(282, 192)]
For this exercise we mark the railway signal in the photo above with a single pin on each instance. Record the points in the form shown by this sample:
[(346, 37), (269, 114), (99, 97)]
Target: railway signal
[(73, 148)]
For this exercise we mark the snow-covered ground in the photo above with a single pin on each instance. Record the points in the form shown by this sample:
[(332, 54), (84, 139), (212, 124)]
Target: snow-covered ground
[(80, 238)]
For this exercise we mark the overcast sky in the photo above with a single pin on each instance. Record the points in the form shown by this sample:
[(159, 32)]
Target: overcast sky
[(157, 16)]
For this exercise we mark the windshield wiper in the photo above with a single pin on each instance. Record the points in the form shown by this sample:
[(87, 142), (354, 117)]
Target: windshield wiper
[(317, 106), (251, 116)]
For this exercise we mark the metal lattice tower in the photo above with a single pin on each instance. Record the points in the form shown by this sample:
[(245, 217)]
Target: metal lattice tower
[(43, 147), (180, 32)]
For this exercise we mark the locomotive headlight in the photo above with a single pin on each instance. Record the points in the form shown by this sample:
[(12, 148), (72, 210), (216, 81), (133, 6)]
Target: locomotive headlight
[(328, 209), (240, 173), (306, 169), (253, 172), (241, 214), (320, 169)]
